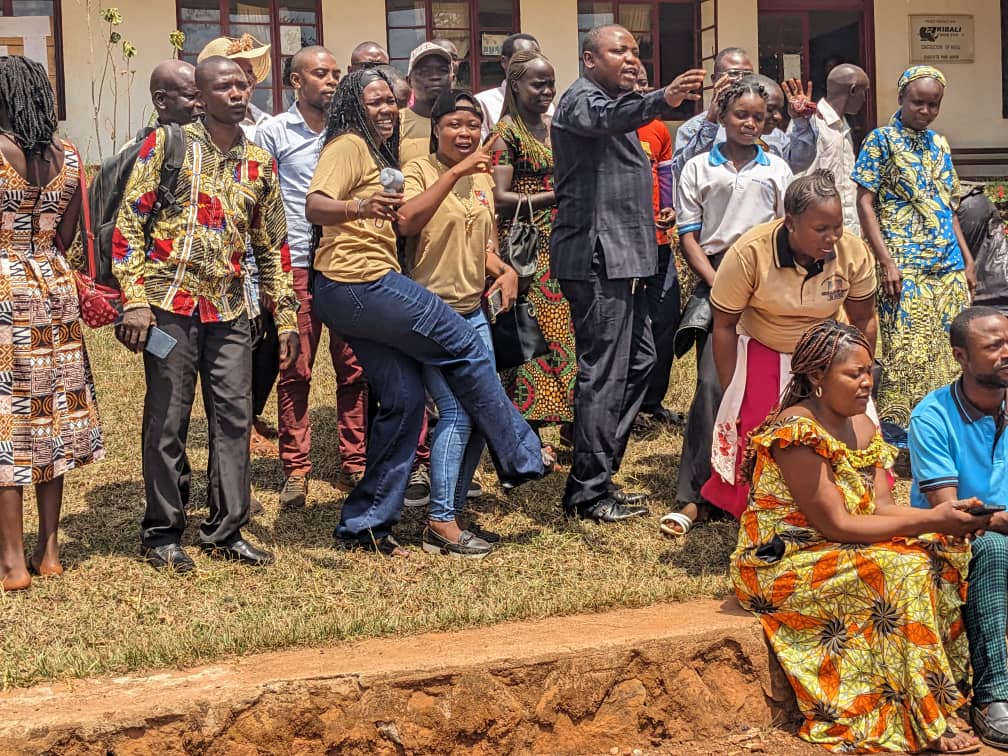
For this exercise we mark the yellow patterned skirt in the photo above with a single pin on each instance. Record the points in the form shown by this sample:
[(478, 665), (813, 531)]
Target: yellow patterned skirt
[(916, 356)]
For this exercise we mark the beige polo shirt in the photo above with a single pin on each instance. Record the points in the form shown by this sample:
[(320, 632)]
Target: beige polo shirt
[(448, 256), (777, 298), (414, 136)]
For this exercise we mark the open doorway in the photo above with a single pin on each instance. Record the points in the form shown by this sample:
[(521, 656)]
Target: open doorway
[(807, 39)]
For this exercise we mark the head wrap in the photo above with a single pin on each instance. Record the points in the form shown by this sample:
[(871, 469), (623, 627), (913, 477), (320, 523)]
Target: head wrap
[(920, 72)]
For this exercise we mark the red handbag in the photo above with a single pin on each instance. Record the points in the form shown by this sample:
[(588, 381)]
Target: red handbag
[(100, 305)]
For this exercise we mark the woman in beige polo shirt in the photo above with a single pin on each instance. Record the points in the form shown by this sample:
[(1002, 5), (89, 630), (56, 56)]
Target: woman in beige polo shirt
[(778, 280), (448, 219)]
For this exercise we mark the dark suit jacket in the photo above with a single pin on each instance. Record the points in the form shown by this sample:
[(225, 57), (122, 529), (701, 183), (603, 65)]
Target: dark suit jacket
[(603, 183)]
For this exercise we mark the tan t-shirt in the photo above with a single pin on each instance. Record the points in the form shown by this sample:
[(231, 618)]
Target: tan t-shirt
[(414, 136), (779, 299), (358, 250), (448, 256)]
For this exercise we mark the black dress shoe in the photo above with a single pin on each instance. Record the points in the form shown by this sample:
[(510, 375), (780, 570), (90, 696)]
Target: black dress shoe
[(626, 497), (170, 556), (609, 510), (991, 726), (239, 551)]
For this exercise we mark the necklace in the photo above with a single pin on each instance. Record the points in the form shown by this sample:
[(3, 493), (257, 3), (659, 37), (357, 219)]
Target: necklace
[(463, 191)]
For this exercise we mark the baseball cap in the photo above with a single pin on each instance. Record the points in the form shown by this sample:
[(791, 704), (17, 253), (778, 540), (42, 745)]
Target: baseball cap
[(449, 102), (426, 50)]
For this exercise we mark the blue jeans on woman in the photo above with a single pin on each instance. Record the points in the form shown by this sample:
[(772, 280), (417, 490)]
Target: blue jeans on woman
[(396, 327), (455, 448)]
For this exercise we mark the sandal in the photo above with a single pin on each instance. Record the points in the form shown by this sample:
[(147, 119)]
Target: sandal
[(944, 746), (673, 520)]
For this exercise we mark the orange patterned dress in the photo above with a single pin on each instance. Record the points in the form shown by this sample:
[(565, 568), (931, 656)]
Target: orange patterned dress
[(48, 411), (869, 635)]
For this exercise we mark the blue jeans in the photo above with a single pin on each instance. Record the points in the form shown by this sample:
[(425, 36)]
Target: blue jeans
[(455, 448), (396, 327)]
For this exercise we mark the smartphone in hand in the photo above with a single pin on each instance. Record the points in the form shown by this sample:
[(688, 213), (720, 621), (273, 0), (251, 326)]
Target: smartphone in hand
[(981, 510), (159, 343)]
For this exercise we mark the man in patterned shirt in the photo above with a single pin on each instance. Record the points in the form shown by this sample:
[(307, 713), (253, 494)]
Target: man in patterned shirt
[(188, 283)]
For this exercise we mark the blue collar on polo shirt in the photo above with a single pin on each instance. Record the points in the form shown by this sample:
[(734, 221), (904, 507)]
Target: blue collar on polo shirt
[(717, 158)]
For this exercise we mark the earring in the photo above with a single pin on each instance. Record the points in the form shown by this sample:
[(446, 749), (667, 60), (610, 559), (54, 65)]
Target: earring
[(818, 392)]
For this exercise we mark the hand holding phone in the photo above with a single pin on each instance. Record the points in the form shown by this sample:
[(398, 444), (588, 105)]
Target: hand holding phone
[(159, 343), (495, 304), (982, 510)]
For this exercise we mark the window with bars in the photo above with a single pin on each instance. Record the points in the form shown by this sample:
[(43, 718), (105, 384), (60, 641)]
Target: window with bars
[(666, 33), (54, 42), (285, 25), (476, 27)]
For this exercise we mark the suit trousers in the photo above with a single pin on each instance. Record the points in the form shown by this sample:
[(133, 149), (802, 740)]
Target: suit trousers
[(265, 363), (221, 355), (666, 306), (615, 355)]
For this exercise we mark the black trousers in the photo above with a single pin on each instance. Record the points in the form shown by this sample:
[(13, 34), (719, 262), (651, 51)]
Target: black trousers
[(665, 303), (265, 363), (695, 465), (615, 354), (221, 355)]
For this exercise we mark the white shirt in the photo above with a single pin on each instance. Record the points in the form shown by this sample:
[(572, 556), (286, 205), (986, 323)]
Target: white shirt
[(721, 203), (492, 101), (835, 152)]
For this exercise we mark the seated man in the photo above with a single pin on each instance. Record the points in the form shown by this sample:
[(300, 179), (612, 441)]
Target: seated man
[(958, 450)]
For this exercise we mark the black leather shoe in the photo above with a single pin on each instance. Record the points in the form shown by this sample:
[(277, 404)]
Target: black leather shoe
[(609, 510), (626, 497), (239, 551), (171, 556), (991, 726)]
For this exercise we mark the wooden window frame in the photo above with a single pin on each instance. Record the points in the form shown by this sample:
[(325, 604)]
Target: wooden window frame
[(476, 56), (7, 6), (276, 59)]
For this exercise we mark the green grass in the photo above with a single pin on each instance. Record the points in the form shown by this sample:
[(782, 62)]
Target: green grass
[(110, 613)]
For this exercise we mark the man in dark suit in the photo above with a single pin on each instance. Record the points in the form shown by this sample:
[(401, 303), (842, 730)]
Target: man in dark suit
[(602, 246)]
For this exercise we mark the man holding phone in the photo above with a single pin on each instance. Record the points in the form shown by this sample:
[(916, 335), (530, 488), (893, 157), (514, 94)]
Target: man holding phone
[(185, 305), (959, 451)]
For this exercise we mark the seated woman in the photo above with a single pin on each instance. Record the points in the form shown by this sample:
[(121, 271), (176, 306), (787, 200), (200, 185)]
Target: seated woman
[(774, 283), (394, 325), (448, 218), (860, 606)]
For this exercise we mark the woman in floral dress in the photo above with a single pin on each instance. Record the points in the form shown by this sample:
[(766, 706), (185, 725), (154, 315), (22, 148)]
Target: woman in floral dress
[(48, 414), (858, 598), (542, 389)]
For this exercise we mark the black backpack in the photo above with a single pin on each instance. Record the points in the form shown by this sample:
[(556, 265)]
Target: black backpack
[(105, 193)]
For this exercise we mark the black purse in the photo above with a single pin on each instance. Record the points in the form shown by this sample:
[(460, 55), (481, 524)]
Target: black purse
[(517, 337), (520, 248)]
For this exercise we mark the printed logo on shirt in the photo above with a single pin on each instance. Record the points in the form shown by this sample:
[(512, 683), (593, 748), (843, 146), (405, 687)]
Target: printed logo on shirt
[(834, 287), (481, 197)]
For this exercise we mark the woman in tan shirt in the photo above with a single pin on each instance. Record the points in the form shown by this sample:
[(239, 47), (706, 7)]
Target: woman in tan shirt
[(394, 325)]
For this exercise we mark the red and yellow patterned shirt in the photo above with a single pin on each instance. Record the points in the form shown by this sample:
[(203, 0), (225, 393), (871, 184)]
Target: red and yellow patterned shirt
[(230, 201)]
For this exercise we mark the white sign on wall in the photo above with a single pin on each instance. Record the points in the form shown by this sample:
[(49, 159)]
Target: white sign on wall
[(941, 39)]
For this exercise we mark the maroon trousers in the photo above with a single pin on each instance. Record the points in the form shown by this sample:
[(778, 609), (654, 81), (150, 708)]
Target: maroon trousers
[(292, 395)]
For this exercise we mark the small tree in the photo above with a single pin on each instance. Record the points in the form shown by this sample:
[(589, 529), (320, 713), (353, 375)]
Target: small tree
[(117, 75)]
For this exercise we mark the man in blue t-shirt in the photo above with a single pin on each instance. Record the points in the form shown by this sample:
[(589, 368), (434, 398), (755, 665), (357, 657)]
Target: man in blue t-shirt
[(959, 450)]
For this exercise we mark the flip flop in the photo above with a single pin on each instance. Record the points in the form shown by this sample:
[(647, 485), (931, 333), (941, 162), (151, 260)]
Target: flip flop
[(668, 521), (950, 733)]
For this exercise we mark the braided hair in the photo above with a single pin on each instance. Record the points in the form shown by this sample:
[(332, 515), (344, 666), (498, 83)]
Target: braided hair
[(739, 89), (347, 114), (537, 152), (816, 350), (27, 97)]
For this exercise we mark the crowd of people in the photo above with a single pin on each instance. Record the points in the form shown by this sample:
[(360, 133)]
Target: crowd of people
[(414, 219)]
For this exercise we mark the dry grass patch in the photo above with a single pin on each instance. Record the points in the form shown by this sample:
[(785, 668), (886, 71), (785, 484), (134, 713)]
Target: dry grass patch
[(111, 613)]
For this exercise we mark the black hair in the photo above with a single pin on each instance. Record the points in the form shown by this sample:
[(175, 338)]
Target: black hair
[(441, 106), (728, 51), (590, 43), (346, 114), (508, 45), (816, 186), (27, 97), (959, 330), (738, 90), (815, 351)]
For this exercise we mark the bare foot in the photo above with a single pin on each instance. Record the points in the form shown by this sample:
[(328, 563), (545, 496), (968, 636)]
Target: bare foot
[(16, 580), (46, 566), (954, 742)]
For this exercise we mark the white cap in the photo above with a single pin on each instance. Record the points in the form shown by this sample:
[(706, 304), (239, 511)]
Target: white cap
[(424, 51)]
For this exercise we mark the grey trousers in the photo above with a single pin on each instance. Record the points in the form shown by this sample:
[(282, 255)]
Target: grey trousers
[(221, 355), (615, 355), (695, 465)]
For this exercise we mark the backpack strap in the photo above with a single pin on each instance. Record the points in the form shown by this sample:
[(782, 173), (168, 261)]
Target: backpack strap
[(174, 156)]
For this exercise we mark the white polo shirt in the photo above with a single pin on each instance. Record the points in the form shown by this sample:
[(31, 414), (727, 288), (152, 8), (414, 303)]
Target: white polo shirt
[(721, 203), (835, 152)]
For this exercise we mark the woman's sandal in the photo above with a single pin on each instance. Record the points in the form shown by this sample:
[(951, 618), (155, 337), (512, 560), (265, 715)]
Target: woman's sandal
[(944, 744), (675, 524)]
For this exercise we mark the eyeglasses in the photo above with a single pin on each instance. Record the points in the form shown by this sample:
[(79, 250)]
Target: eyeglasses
[(738, 73)]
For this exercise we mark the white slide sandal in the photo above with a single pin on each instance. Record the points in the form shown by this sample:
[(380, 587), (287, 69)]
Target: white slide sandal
[(669, 521)]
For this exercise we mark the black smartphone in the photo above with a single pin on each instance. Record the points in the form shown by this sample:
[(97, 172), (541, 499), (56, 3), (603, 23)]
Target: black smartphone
[(985, 509)]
